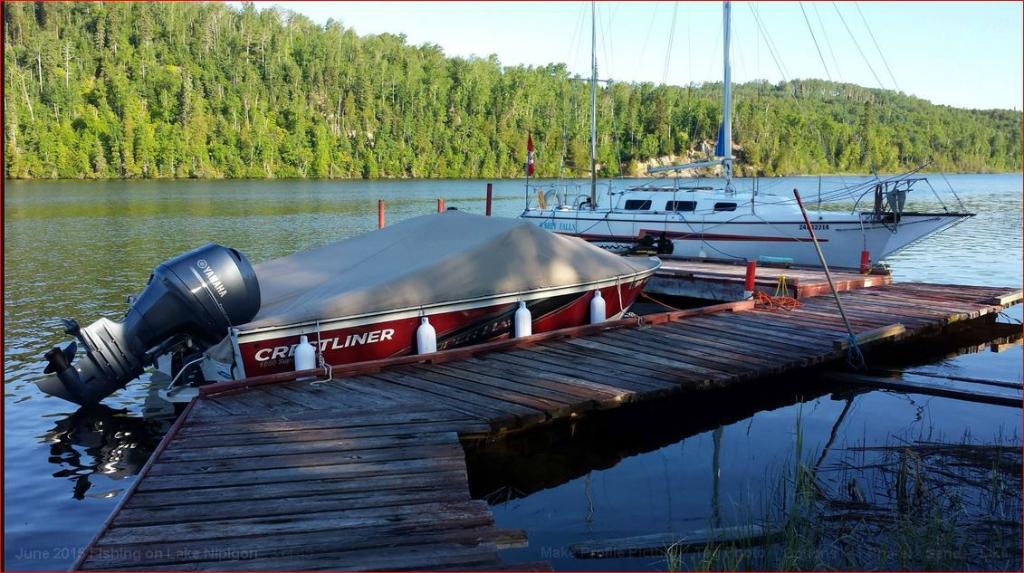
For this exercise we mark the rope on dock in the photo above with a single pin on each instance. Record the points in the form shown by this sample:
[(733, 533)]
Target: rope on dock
[(765, 300), (661, 302), (854, 357)]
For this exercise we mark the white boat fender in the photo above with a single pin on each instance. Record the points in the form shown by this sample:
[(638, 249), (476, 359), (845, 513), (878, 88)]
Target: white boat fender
[(305, 356), (426, 337), (523, 321), (598, 312)]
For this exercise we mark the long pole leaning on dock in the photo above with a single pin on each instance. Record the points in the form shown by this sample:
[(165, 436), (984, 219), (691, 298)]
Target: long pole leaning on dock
[(828, 275), (593, 105)]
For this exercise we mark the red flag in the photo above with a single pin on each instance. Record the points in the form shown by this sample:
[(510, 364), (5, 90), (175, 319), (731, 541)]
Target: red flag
[(529, 155)]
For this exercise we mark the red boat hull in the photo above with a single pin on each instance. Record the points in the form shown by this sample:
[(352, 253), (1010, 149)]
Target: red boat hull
[(395, 337)]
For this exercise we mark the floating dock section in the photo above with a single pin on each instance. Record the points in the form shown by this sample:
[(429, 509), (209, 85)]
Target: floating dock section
[(725, 281), (366, 471)]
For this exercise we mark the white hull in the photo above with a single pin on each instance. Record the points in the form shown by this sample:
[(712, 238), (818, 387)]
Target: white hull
[(701, 222), (750, 236)]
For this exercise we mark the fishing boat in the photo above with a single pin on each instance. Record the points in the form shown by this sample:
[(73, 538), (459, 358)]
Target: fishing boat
[(723, 222), (451, 279)]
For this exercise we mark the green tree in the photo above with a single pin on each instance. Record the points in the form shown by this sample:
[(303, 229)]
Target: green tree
[(141, 90)]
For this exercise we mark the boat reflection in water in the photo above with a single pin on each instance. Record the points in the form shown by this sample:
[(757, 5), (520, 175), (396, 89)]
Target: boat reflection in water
[(101, 440)]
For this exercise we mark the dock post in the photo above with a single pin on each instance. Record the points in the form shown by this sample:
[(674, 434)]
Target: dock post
[(865, 262), (748, 285), (440, 205), (490, 190), (380, 213)]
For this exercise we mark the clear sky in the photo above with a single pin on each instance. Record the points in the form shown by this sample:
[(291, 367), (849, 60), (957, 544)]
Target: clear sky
[(964, 54)]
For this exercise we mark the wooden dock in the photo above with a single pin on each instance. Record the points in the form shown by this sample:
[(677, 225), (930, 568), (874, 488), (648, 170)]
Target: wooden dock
[(724, 281), (366, 471)]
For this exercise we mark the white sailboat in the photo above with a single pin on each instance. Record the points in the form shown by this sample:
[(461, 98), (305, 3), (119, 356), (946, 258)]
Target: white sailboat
[(724, 223)]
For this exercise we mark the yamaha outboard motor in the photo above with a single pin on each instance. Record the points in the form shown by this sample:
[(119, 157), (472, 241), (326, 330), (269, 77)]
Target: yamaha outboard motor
[(195, 296)]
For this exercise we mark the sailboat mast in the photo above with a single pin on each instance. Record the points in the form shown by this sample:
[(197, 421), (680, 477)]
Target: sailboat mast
[(727, 96), (593, 104)]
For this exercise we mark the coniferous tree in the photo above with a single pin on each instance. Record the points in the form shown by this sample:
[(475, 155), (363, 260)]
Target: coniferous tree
[(152, 90)]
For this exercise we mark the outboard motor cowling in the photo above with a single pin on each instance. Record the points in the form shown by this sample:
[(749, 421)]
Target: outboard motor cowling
[(199, 295)]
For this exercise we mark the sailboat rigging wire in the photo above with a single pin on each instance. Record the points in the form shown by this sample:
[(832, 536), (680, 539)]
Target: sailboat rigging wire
[(604, 25), (615, 139), (951, 190), (689, 51), (576, 39), (857, 44), (710, 62), (650, 27), (735, 50), (828, 43), (880, 53), (565, 133), (815, 38), (850, 191), (817, 47), (720, 251), (936, 193), (610, 67), (671, 41), (768, 42)]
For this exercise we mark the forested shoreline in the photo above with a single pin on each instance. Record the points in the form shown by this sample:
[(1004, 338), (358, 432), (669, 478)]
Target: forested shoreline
[(183, 90)]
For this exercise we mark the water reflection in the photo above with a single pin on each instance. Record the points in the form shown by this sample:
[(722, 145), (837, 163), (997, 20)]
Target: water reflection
[(524, 464), (514, 468), (121, 229), (990, 333), (101, 440), (716, 459)]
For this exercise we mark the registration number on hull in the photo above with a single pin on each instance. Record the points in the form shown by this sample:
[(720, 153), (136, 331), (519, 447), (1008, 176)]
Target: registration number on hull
[(553, 226)]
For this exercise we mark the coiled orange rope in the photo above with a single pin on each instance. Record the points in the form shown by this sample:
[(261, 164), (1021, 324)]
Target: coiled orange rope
[(765, 300)]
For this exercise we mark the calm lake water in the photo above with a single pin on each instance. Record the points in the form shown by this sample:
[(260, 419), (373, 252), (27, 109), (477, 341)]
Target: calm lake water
[(75, 249)]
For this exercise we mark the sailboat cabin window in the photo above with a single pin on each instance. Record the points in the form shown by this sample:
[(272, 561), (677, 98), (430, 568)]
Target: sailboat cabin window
[(725, 206), (638, 204), (681, 206)]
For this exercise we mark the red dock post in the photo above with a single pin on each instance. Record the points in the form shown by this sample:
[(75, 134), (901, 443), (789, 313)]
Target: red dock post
[(487, 209), (865, 262), (748, 284), (440, 205), (380, 213)]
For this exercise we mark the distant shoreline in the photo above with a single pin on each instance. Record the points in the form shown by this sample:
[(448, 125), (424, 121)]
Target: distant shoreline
[(495, 179)]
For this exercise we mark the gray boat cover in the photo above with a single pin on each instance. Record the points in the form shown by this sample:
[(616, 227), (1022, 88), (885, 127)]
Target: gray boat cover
[(438, 258)]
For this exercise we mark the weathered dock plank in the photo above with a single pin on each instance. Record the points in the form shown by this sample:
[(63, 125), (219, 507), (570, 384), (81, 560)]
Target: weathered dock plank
[(724, 280), (367, 471)]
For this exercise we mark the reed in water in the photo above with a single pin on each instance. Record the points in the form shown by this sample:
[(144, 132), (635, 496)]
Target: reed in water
[(903, 505)]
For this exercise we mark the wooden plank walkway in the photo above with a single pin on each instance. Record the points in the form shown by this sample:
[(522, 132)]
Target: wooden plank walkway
[(720, 280), (358, 486), (366, 471)]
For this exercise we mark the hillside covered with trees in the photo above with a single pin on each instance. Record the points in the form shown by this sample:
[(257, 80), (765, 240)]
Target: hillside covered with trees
[(165, 90)]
